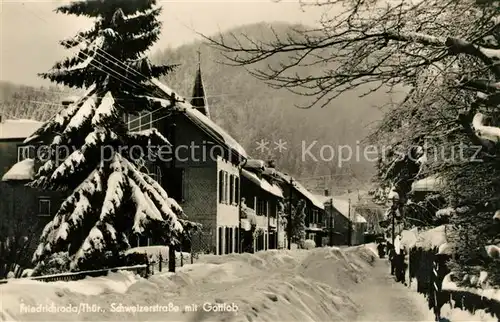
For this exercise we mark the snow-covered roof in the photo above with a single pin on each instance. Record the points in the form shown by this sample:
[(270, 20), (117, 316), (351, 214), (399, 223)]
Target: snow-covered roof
[(263, 183), (323, 199), (23, 170), (18, 129), (343, 206), (360, 219), (199, 119), (431, 183), (213, 129), (255, 164), (301, 189)]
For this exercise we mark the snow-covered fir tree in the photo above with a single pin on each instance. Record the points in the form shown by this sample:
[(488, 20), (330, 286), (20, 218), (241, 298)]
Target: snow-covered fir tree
[(109, 200), (298, 225)]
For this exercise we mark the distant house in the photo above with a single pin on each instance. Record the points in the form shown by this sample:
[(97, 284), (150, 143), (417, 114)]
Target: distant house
[(24, 211), (314, 222), (262, 194), (427, 185), (340, 215)]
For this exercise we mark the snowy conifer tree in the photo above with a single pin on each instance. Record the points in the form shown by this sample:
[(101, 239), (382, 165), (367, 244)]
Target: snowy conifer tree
[(109, 199), (298, 225)]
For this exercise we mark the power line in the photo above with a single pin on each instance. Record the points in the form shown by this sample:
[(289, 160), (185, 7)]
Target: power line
[(126, 68), (96, 52)]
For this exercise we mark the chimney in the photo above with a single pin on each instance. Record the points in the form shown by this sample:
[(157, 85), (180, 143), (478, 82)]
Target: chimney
[(68, 100), (271, 163), (327, 193)]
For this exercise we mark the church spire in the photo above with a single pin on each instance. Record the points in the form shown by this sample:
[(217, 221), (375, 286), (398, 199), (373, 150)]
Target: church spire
[(198, 99)]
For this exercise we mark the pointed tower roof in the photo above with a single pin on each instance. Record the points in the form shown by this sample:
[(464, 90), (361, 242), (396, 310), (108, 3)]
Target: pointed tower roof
[(199, 101)]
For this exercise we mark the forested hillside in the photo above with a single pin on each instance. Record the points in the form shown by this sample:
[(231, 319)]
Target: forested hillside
[(39, 103), (249, 110)]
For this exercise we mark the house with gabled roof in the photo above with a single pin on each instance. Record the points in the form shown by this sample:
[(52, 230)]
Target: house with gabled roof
[(209, 174), (201, 170), (211, 183), (23, 211), (343, 224), (294, 191), (260, 192)]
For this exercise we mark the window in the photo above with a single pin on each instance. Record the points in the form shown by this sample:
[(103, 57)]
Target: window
[(221, 186), (44, 206), (25, 152), (221, 241), (142, 121), (231, 189), (226, 187), (237, 190), (228, 240), (231, 240), (237, 240), (143, 241), (156, 174), (262, 207), (173, 183)]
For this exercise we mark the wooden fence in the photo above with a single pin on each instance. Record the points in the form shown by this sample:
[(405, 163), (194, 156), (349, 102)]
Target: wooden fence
[(429, 269), (159, 264)]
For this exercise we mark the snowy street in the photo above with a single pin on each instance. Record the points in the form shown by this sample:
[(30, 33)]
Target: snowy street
[(317, 285), (382, 299)]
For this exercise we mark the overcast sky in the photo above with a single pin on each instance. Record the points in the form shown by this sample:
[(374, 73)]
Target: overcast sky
[(29, 30)]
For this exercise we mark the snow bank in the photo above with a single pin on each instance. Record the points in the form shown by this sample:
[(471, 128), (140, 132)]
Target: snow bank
[(487, 292), (454, 314), (373, 248), (278, 285), (427, 239), (154, 252), (432, 238), (409, 238)]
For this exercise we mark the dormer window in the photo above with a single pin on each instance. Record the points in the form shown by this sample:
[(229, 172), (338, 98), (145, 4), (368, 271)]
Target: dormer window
[(141, 122)]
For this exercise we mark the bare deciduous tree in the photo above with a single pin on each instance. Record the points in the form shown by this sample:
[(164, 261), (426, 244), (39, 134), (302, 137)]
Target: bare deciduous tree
[(447, 56)]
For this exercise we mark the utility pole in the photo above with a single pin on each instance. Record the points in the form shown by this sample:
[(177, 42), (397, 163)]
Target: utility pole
[(171, 247), (289, 222), (331, 222), (349, 231), (238, 238), (393, 233)]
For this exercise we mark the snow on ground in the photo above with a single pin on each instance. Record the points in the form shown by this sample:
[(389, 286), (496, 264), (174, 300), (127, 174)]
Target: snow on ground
[(153, 253), (426, 239), (382, 299), (373, 248), (322, 284), (278, 285), (453, 314), (115, 282)]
